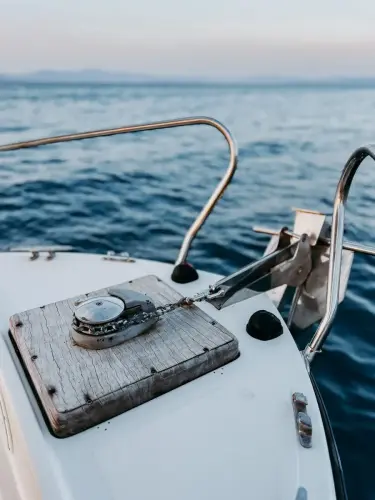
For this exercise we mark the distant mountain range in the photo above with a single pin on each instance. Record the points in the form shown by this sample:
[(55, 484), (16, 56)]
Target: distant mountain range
[(101, 76)]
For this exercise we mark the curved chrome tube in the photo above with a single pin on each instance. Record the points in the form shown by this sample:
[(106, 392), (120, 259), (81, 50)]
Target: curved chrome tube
[(337, 240), (207, 209)]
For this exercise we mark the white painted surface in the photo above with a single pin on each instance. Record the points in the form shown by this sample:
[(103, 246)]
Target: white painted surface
[(228, 434)]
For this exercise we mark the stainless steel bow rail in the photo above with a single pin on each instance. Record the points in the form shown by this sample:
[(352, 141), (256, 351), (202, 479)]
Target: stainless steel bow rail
[(182, 122), (320, 294), (337, 243), (313, 257)]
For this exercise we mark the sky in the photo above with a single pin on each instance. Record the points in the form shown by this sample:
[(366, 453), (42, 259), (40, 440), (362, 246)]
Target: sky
[(210, 38)]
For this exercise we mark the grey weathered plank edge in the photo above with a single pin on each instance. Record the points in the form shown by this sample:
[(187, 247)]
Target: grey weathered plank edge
[(110, 407)]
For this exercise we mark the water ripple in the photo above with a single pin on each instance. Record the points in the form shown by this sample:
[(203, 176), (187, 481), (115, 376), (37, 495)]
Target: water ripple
[(139, 193)]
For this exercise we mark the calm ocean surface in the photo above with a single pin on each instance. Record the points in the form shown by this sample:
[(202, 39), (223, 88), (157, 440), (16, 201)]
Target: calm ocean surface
[(139, 193)]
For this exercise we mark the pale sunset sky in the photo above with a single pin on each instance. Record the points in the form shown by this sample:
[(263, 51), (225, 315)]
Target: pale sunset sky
[(210, 38)]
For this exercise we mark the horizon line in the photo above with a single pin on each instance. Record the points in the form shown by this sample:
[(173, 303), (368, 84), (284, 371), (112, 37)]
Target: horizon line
[(94, 75)]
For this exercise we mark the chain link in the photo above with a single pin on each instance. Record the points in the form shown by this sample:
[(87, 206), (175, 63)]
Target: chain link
[(137, 319)]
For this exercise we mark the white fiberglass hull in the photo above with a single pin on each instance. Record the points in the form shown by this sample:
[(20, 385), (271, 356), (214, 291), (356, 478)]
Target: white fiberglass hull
[(228, 434)]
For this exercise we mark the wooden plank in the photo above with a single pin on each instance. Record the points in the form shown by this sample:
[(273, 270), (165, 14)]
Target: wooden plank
[(79, 388)]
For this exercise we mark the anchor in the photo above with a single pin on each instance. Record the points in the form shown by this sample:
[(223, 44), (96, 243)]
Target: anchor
[(296, 258)]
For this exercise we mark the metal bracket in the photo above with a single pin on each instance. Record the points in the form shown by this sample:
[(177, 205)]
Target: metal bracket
[(309, 301), (310, 305), (290, 265)]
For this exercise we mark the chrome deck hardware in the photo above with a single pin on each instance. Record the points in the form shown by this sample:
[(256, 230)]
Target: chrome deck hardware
[(347, 245), (313, 257), (289, 263), (187, 273), (119, 257), (309, 301), (336, 260), (105, 321), (332, 257), (299, 259), (302, 419), (302, 258), (36, 251)]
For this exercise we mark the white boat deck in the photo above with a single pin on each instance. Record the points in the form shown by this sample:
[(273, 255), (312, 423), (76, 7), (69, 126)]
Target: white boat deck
[(227, 435)]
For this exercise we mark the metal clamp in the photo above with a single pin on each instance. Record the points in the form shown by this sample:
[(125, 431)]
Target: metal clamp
[(182, 122)]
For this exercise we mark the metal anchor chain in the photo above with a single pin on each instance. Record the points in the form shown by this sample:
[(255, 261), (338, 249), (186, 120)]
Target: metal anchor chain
[(284, 265), (120, 324)]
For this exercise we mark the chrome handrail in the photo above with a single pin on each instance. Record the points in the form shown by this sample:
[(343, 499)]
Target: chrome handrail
[(335, 257), (216, 195)]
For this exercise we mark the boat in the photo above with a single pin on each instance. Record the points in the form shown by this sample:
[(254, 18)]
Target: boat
[(130, 378)]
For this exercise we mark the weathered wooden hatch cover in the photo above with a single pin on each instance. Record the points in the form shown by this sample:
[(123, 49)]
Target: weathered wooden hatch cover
[(79, 388)]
